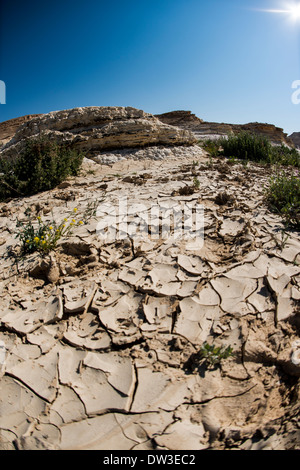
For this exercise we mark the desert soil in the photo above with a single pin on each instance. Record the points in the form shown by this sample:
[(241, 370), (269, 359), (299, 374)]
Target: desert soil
[(101, 339)]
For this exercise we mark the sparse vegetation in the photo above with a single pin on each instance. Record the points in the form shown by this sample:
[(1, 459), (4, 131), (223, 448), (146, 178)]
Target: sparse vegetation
[(41, 166), (208, 356), (91, 210), (211, 146), (186, 190), (35, 235), (196, 183), (223, 198), (283, 193), (283, 196), (285, 156), (246, 146), (213, 354)]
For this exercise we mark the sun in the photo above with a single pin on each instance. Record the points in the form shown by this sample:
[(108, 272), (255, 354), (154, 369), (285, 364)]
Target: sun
[(294, 11), (291, 10)]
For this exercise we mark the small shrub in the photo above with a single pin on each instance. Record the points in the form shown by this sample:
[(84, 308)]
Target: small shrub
[(211, 146), (285, 156), (208, 356), (41, 166), (283, 197), (186, 190), (91, 210), (223, 198), (213, 354), (246, 146), (43, 237), (196, 183)]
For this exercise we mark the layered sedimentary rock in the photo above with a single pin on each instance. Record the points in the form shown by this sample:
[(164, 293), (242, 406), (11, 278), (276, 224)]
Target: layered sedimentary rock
[(275, 134), (295, 137), (9, 128), (186, 120), (97, 129), (92, 129), (174, 118)]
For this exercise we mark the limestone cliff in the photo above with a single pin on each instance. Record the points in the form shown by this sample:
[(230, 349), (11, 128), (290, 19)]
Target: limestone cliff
[(203, 129), (9, 128), (94, 129), (275, 134), (174, 118)]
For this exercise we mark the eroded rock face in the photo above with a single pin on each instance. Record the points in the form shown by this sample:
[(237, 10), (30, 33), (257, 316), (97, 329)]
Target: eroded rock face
[(275, 134), (295, 137), (9, 128), (105, 354), (204, 129), (94, 129), (175, 118)]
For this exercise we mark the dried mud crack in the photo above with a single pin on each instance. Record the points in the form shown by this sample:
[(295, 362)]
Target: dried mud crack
[(102, 352)]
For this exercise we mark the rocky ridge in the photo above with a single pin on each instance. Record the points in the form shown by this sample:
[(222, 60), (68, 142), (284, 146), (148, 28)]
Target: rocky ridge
[(9, 128), (101, 340), (203, 129), (295, 137), (89, 123), (95, 129)]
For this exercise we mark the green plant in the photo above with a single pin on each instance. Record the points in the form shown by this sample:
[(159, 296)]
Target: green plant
[(196, 183), (246, 146), (41, 166), (285, 156), (35, 235), (91, 210), (213, 354), (232, 160), (90, 172), (281, 243), (245, 163), (283, 196), (211, 146)]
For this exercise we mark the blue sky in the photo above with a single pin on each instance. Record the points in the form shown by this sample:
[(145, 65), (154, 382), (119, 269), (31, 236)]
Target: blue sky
[(224, 60)]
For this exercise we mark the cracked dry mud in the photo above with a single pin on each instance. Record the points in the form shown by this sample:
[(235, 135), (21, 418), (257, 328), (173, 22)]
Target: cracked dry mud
[(100, 342)]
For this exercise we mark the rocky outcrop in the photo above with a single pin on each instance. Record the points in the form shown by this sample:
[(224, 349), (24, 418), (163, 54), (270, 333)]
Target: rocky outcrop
[(175, 118), (203, 129), (275, 134), (9, 128), (295, 138), (94, 129)]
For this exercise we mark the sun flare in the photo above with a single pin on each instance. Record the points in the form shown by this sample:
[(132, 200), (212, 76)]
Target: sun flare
[(292, 10), (295, 12)]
